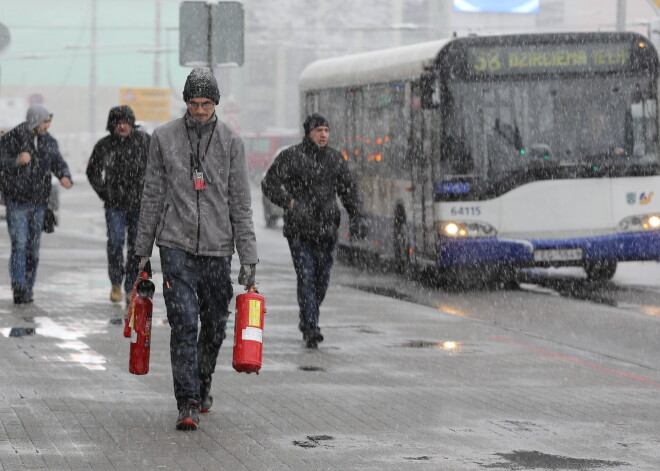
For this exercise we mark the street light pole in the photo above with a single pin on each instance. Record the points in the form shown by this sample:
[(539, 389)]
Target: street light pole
[(92, 74), (397, 19), (621, 15), (157, 58)]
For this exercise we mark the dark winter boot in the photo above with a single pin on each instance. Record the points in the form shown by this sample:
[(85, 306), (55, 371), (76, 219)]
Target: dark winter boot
[(312, 338), (188, 415), (21, 296), (302, 326), (205, 395)]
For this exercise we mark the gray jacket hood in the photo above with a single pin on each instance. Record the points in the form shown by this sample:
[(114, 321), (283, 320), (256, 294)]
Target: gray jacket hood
[(37, 114)]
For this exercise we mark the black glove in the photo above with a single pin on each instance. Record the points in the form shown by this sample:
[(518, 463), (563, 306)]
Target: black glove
[(144, 265), (246, 276), (358, 228)]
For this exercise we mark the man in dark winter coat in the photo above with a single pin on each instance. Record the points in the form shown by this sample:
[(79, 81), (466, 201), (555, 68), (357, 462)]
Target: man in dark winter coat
[(28, 157), (305, 180), (116, 171), (196, 207)]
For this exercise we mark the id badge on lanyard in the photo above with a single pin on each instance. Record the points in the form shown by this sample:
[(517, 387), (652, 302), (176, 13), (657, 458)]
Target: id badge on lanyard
[(198, 177), (198, 180)]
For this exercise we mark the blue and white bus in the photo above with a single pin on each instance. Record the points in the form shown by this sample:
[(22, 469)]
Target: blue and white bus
[(500, 152)]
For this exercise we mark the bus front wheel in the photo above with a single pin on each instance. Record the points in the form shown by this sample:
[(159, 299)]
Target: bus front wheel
[(602, 270)]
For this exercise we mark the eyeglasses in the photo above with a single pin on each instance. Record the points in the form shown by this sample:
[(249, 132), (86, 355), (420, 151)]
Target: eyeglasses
[(207, 105)]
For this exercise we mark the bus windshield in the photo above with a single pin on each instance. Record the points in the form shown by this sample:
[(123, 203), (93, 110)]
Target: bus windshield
[(520, 131)]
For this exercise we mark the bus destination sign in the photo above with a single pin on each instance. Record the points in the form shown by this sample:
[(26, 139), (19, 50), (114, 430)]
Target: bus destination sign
[(566, 58)]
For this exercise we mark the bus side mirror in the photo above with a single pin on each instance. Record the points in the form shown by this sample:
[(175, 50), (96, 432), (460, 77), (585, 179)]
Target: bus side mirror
[(430, 90)]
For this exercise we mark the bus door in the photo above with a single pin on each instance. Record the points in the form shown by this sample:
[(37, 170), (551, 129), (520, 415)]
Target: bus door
[(419, 155), (349, 143)]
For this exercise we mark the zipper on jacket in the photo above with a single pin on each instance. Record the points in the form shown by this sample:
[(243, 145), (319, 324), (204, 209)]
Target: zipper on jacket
[(195, 165), (199, 223)]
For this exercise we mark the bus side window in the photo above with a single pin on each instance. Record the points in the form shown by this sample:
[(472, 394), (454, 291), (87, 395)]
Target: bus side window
[(454, 146), (311, 103), (641, 130)]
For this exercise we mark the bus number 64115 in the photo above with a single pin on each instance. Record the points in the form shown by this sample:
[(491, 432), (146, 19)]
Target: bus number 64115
[(466, 211)]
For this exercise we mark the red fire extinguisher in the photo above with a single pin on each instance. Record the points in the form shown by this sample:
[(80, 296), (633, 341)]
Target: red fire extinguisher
[(248, 332), (146, 273), (141, 308)]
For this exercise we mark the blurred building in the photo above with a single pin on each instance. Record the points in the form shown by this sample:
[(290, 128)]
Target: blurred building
[(285, 36), (51, 59)]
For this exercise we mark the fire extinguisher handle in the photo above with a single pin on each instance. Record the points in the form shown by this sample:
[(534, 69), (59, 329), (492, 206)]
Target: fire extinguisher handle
[(144, 267), (147, 268)]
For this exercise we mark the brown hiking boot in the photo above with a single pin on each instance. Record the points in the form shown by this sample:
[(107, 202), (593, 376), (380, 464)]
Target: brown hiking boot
[(115, 294)]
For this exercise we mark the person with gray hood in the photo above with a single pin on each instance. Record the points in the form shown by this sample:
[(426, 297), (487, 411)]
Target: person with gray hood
[(28, 157), (196, 207)]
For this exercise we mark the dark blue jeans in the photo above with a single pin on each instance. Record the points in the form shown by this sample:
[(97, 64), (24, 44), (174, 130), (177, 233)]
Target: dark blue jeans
[(25, 221), (195, 287), (121, 223), (313, 263)]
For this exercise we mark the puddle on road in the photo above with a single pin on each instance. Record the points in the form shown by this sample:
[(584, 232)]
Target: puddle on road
[(453, 310), (362, 329), (366, 330), (447, 345), (19, 331), (81, 353), (77, 351), (521, 459), (314, 441), (312, 368)]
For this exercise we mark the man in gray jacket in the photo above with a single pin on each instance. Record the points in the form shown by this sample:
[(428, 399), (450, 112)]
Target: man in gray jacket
[(195, 207)]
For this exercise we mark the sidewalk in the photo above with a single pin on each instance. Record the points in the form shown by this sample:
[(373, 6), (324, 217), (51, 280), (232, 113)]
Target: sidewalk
[(395, 386)]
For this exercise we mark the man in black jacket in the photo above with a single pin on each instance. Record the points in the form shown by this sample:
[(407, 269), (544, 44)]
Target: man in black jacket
[(116, 172), (305, 180), (28, 157)]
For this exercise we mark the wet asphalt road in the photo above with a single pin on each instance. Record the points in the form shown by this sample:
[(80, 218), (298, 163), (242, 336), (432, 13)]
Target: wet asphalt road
[(620, 321), (559, 374)]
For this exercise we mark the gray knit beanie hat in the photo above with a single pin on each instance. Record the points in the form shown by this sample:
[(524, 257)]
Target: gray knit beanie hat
[(314, 120), (201, 83)]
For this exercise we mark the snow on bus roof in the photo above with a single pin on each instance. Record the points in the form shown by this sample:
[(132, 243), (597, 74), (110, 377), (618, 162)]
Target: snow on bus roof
[(397, 63)]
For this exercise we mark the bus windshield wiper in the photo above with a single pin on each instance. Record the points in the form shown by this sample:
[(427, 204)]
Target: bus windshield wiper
[(511, 134)]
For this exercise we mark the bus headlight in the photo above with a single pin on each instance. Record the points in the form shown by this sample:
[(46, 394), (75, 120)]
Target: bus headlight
[(641, 223), (466, 229), (451, 229), (654, 222)]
